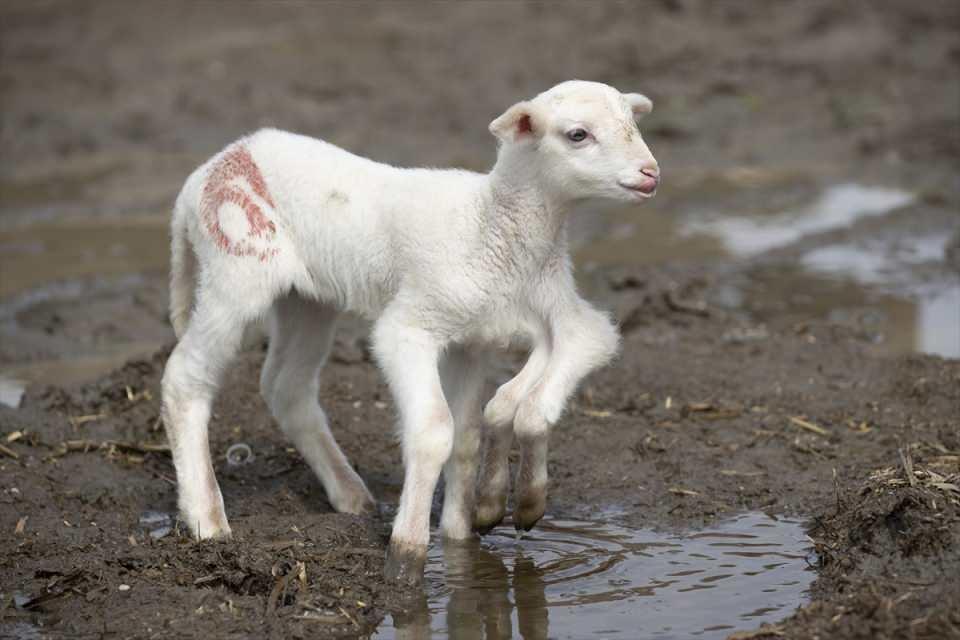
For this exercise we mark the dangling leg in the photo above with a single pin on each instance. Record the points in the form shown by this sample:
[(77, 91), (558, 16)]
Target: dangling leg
[(301, 334), (498, 417), (462, 374), (190, 383), (589, 340)]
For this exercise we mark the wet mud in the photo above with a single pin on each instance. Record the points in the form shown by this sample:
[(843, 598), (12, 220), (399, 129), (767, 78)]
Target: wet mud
[(788, 302), (803, 423)]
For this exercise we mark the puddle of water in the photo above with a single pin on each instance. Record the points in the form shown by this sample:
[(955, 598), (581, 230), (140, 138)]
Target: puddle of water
[(67, 311), (11, 391), (890, 280), (156, 524), (839, 206), (574, 579), (72, 181), (898, 274), (878, 262), (897, 268), (72, 369), (36, 255)]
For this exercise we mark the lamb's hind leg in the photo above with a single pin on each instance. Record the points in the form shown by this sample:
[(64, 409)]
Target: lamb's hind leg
[(190, 382), (301, 334)]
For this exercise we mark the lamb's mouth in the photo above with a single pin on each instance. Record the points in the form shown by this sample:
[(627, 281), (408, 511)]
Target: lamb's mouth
[(644, 190)]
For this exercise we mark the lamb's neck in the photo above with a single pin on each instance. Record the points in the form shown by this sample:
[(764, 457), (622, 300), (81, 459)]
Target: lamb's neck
[(519, 209)]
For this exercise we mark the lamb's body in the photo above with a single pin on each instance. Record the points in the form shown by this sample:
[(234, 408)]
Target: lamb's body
[(446, 263), (349, 231)]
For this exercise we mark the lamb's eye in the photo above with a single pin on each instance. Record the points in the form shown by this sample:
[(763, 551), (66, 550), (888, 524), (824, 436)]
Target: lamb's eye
[(577, 135)]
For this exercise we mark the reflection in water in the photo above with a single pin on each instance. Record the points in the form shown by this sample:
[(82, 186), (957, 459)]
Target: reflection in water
[(572, 579), (478, 590)]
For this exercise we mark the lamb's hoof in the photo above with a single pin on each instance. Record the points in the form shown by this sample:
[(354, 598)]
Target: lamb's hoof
[(207, 529), (489, 514), (483, 528), (369, 509), (356, 500), (218, 534), (405, 563), (529, 510)]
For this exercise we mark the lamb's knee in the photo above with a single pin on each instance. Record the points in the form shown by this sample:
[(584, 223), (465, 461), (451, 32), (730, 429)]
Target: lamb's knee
[(176, 374), (288, 399), (501, 409), (183, 380), (466, 446), (269, 389), (172, 382), (531, 421), (432, 444)]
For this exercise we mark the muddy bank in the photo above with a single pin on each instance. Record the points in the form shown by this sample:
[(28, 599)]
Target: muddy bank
[(703, 416)]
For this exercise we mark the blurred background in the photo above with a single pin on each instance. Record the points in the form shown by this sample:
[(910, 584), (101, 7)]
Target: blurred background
[(809, 148)]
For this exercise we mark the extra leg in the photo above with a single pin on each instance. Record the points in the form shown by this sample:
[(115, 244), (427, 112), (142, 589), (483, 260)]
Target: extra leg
[(410, 359), (498, 417), (190, 383), (462, 375), (301, 334)]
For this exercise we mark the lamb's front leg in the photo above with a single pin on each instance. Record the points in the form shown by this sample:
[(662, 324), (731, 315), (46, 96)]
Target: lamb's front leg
[(584, 339), (498, 417), (409, 358)]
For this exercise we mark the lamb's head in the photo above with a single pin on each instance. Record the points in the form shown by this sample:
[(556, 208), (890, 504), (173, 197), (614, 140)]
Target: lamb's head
[(581, 140)]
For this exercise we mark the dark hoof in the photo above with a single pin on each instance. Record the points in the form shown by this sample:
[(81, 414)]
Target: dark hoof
[(526, 522), (405, 564), (483, 528), (373, 510), (529, 510), (489, 513)]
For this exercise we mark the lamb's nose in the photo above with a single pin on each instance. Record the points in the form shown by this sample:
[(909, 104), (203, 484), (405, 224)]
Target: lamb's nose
[(651, 178), (651, 172)]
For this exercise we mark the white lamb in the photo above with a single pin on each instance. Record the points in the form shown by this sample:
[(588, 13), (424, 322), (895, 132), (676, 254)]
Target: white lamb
[(448, 264)]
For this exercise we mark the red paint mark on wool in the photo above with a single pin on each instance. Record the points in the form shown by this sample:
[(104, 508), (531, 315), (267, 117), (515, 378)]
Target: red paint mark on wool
[(235, 169)]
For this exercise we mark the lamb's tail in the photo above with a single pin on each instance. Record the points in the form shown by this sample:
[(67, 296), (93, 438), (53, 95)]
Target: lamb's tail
[(183, 268)]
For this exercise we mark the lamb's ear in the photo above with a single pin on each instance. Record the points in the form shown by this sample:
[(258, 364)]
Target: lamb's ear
[(520, 121), (639, 103)]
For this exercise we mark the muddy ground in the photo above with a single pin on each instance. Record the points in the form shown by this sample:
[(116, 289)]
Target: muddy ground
[(108, 106)]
